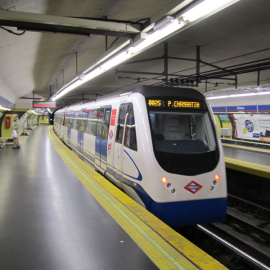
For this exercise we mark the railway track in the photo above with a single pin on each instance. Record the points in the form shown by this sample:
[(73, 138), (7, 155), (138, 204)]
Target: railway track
[(242, 241)]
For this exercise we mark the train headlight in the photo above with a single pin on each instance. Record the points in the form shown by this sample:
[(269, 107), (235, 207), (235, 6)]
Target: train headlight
[(168, 185), (164, 180)]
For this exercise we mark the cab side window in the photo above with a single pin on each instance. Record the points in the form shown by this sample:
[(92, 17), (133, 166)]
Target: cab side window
[(126, 127), (121, 123)]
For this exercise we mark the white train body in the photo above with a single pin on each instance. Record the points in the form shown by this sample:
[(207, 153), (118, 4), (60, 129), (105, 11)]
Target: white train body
[(159, 145)]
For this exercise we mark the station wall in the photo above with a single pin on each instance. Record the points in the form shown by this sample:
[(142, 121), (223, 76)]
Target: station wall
[(244, 118)]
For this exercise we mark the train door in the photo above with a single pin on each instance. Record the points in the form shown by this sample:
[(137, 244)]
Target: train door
[(70, 117), (103, 116), (119, 145), (64, 127), (82, 129), (100, 119)]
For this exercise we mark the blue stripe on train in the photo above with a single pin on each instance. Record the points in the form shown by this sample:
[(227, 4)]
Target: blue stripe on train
[(185, 213), (101, 145)]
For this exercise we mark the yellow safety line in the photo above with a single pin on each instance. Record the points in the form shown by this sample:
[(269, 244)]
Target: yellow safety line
[(248, 167), (166, 248)]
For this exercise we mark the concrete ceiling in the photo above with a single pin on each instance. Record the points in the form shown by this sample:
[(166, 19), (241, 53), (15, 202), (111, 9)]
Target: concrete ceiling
[(41, 62)]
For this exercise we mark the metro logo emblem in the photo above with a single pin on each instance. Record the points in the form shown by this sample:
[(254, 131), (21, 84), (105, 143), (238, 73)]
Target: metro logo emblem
[(193, 187), (111, 134)]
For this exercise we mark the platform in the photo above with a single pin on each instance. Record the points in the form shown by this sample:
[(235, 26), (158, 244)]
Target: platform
[(58, 213), (250, 160)]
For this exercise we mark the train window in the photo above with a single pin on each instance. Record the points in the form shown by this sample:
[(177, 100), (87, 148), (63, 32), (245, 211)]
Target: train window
[(75, 124), (184, 142), (126, 123), (76, 121), (121, 123), (182, 132), (100, 126), (69, 122), (103, 116), (92, 123), (106, 123), (83, 121), (69, 116), (130, 133), (83, 125)]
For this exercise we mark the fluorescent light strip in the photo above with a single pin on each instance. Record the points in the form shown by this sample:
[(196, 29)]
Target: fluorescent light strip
[(89, 74), (207, 7), (159, 34), (239, 95), (96, 70), (106, 63), (3, 108), (108, 56), (132, 51), (68, 88)]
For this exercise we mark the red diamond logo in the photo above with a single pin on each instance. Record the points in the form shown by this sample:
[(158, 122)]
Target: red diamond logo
[(111, 134), (193, 187)]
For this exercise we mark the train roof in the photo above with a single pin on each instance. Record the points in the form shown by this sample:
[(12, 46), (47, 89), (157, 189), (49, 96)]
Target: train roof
[(148, 91), (158, 91)]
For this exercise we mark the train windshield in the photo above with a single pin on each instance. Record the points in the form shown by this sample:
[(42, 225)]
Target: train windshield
[(183, 140)]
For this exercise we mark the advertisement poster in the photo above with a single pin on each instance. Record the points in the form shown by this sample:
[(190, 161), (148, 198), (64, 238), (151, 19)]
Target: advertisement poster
[(252, 126)]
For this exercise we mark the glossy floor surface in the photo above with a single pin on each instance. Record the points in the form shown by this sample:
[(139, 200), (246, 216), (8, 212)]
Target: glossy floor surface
[(245, 154), (48, 220)]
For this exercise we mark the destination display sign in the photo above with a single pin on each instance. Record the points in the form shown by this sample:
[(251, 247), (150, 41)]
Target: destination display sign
[(44, 104), (183, 104), (173, 103)]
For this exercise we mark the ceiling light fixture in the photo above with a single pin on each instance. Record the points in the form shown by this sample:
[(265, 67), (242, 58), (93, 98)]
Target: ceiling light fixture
[(165, 28), (107, 56), (218, 97), (160, 33), (4, 108), (205, 9), (239, 95)]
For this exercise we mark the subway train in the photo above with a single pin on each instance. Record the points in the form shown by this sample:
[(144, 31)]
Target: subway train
[(159, 145)]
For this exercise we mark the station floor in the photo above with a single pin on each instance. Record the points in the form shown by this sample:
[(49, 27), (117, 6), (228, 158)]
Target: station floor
[(56, 212)]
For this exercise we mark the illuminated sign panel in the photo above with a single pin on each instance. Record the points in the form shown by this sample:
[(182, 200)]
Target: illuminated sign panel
[(44, 104), (154, 102), (183, 104), (171, 103)]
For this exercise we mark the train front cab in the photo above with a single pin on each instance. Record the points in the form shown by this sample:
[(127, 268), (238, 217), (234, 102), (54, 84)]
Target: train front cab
[(190, 161)]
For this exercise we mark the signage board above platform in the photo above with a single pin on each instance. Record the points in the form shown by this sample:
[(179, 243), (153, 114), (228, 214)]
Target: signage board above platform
[(44, 104)]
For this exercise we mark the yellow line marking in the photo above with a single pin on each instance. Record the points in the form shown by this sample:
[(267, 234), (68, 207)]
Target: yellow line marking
[(166, 248), (248, 167)]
